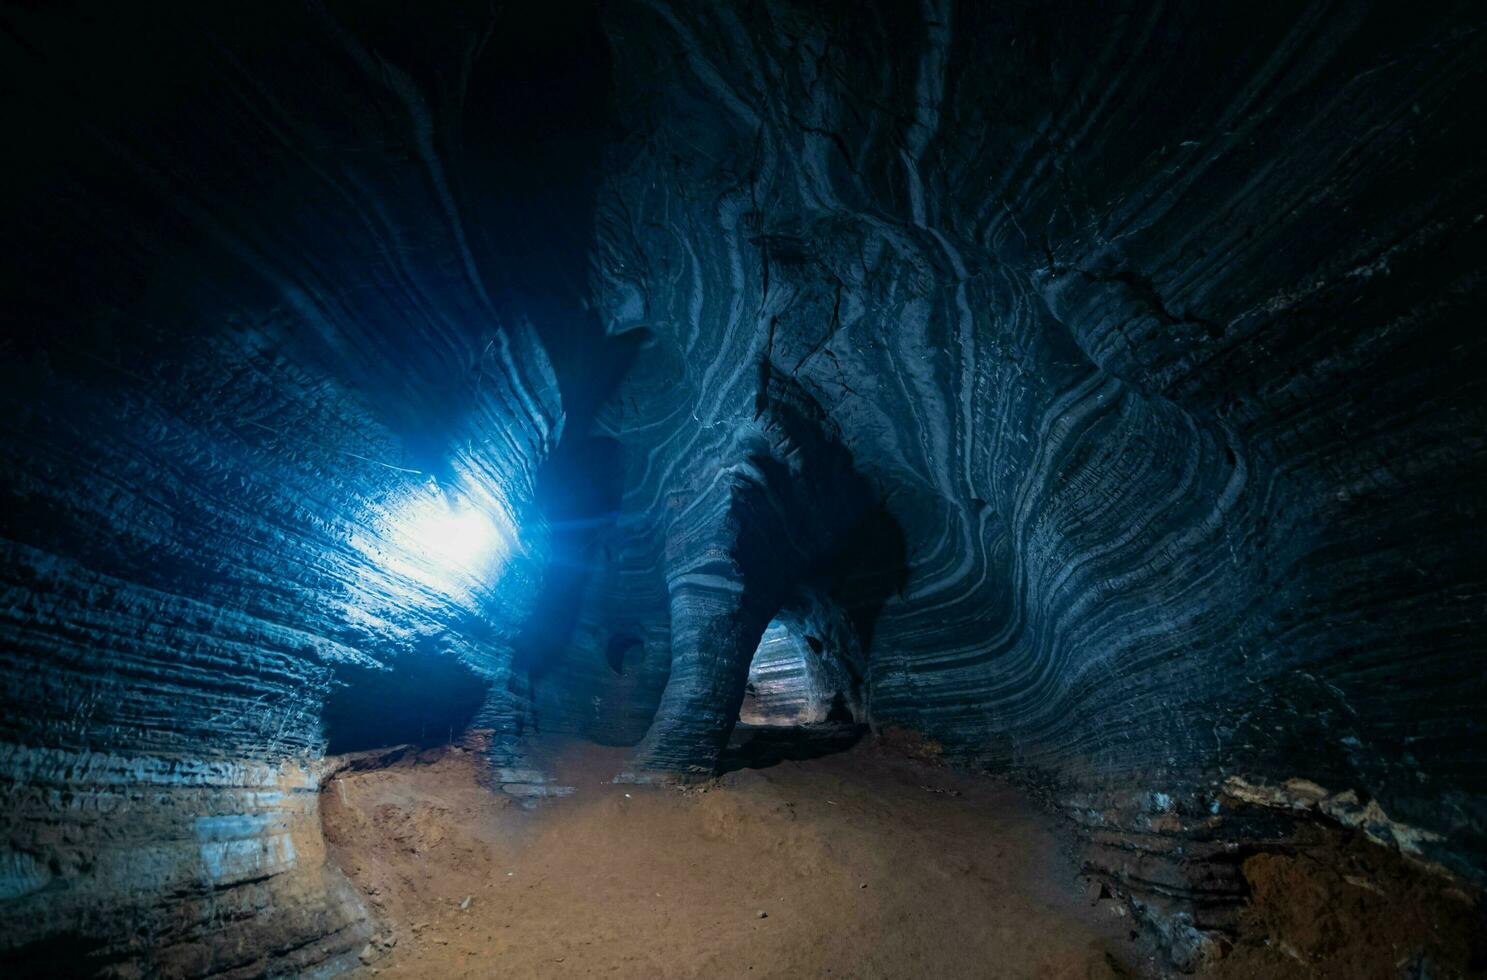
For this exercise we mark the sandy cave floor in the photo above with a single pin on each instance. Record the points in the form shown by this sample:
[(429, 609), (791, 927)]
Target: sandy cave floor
[(863, 863)]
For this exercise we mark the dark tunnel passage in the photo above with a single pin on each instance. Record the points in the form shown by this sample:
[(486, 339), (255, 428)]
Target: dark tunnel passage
[(748, 488), (421, 699)]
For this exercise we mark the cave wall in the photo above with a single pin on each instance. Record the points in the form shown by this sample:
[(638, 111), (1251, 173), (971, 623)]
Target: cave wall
[(1099, 385), (1150, 326), (271, 301), (169, 644)]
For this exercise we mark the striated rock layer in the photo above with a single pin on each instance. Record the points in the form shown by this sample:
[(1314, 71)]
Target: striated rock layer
[(1092, 388), (1148, 327), (272, 363)]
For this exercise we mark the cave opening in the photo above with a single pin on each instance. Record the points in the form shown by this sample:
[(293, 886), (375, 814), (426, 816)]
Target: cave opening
[(797, 701), (793, 680), (423, 698), (619, 646), (744, 488)]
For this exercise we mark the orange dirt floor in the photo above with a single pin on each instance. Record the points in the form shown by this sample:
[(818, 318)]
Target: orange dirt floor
[(860, 864)]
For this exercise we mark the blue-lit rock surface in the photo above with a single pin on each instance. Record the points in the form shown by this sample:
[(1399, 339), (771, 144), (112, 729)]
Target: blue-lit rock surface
[(260, 341), (1152, 332), (1100, 390)]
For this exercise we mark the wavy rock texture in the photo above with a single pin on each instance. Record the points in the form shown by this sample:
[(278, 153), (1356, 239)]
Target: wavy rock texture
[(1099, 387), (791, 682), (1150, 326), (260, 334)]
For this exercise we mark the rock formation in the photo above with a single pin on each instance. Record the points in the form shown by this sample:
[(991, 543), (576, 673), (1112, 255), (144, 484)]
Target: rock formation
[(1094, 389)]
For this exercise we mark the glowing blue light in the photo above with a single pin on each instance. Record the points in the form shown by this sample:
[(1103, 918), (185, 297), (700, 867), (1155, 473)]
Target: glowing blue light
[(447, 543), (460, 536)]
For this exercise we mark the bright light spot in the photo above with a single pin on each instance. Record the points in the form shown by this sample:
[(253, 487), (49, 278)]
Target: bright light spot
[(447, 544), (457, 536)]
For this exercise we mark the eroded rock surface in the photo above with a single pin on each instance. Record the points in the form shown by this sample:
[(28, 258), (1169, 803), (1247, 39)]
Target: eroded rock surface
[(259, 335), (1099, 385), (1150, 330)]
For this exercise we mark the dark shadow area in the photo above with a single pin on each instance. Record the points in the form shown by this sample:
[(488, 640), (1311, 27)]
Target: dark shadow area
[(619, 645), (424, 699), (534, 134), (479, 136), (762, 746), (871, 565), (839, 711), (67, 955), (578, 491), (835, 512)]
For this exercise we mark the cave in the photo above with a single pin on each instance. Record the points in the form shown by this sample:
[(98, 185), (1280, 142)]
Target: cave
[(769, 488), (786, 685)]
